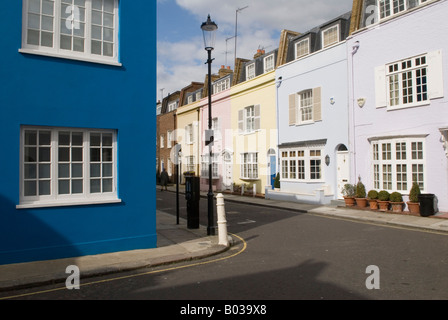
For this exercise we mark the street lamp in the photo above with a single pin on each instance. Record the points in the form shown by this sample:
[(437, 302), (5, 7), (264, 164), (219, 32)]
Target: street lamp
[(208, 30)]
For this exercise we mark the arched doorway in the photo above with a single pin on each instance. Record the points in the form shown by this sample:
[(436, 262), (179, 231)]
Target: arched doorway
[(227, 170), (343, 168)]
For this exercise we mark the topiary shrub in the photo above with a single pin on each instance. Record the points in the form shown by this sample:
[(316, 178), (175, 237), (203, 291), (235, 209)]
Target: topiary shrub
[(372, 195), (360, 190), (277, 181), (383, 195), (415, 191), (396, 197)]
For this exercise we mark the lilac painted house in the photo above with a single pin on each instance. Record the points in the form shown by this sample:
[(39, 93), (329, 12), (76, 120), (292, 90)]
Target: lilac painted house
[(398, 77)]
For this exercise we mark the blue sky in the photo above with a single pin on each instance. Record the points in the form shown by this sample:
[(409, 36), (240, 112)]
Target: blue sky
[(180, 50)]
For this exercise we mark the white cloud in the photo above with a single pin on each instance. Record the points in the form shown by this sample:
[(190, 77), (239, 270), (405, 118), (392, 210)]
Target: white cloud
[(258, 25)]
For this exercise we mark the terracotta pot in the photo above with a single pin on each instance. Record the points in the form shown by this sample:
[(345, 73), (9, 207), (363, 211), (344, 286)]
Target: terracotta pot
[(373, 204), (361, 202), (414, 207), (384, 205), (349, 201), (397, 207)]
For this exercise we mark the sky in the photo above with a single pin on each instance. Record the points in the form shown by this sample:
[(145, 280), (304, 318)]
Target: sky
[(181, 55)]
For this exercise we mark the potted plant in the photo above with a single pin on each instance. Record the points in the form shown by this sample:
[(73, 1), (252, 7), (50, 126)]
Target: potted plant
[(277, 182), (413, 203), (383, 200), (372, 196), (348, 193), (396, 200), (361, 199)]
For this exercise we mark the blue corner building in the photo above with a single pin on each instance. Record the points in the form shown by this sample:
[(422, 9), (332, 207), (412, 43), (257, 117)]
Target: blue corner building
[(77, 128)]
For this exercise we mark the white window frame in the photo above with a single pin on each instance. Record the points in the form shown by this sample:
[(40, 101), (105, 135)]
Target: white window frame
[(299, 52), (408, 72), (172, 106), (397, 162), (221, 85), (162, 141), (189, 134), (198, 96), (55, 198), (269, 63), (205, 163), (190, 163), (57, 20), (190, 99), (305, 107), (297, 164), (169, 139), (250, 71), (387, 75), (325, 33), (249, 166)]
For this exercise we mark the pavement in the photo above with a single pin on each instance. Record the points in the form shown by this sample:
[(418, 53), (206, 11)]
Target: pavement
[(177, 243)]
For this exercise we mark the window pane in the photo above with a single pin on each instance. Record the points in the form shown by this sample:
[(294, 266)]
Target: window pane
[(95, 170), (76, 170), (48, 7), (107, 170), (33, 21), (95, 186), (30, 154), (76, 186), (44, 154), (30, 138), (64, 138), (64, 154), (107, 185), (44, 138), (109, 6), (76, 154), (64, 187), (44, 171), (44, 188), (47, 39), (107, 154), (95, 155), (77, 138), (33, 37), (108, 49), (107, 140), (64, 171), (97, 4), (30, 171), (30, 188), (66, 42), (34, 6), (108, 20), (95, 139)]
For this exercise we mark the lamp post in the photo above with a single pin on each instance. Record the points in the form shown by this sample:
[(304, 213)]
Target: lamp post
[(208, 30)]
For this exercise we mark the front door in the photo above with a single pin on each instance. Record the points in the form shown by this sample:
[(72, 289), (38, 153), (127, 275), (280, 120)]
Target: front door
[(343, 171), (273, 169), (227, 171)]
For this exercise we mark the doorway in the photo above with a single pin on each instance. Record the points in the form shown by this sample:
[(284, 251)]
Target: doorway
[(343, 171)]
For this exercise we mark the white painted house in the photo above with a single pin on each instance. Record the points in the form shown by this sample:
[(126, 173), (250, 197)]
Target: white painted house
[(398, 96), (312, 106)]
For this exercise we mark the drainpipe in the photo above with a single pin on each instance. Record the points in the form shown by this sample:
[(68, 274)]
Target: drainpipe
[(355, 49)]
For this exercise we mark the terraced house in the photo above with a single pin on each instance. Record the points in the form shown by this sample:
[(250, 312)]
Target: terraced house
[(398, 87), (312, 97), (74, 100)]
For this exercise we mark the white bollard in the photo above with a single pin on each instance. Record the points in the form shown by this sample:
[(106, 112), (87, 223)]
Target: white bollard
[(222, 222)]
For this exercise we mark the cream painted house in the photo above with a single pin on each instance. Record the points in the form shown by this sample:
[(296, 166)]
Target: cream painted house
[(254, 122)]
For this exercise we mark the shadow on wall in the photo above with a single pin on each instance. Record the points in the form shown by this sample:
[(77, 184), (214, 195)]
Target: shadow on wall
[(24, 237)]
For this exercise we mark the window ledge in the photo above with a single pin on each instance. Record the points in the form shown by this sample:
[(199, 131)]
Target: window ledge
[(66, 203), (71, 57)]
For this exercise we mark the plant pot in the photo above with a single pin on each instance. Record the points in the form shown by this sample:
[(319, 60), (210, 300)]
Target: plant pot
[(414, 207), (383, 205), (361, 202), (373, 203), (349, 201), (397, 207)]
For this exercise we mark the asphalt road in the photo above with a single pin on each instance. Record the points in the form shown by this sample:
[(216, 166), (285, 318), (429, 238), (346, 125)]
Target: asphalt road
[(283, 255)]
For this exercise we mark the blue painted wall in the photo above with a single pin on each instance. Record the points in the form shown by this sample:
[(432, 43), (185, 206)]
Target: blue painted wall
[(45, 91)]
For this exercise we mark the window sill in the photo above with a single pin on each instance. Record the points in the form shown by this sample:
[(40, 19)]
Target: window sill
[(66, 203), (70, 57), (250, 179), (407, 106)]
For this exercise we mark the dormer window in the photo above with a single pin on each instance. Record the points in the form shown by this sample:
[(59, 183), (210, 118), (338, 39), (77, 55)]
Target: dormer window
[(221, 85), (172, 106), (302, 48), (391, 7), (330, 36), (269, 64), (250, 71)]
